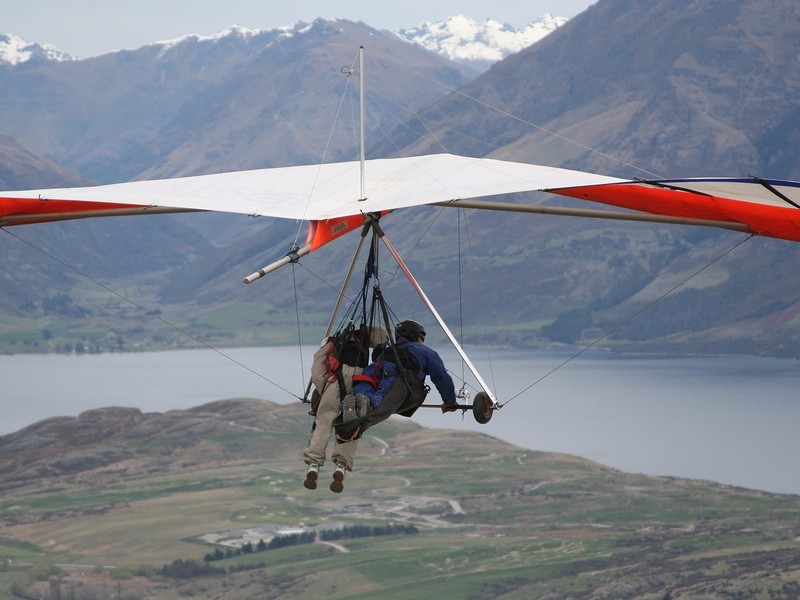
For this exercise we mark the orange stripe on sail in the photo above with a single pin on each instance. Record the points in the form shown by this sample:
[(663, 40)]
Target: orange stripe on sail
[(42, 210), (322, 232), (781, 222)]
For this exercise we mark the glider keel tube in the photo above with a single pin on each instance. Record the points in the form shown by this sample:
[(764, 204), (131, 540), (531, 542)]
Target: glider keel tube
[(320, 232)]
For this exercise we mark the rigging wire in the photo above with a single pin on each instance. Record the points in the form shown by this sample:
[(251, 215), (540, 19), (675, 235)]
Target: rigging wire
[(481, 305), (419, 239), (628, 319), (323, 281), (535, 126), (349, 72), (406, 106), (146, 310), (436, 139)]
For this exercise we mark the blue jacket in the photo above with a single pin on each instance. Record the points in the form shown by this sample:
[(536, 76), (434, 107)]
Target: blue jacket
[(430, 364)]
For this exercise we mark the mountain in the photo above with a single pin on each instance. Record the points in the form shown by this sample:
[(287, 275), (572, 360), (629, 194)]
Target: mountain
[(14, 50), (458, 38), (479, 44), (635, 89), (609, 91), (197, 104), (216, 103), (20, 169), (42, 265)]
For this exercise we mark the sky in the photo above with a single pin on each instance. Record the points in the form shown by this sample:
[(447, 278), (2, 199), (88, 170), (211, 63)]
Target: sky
[(84, 28)]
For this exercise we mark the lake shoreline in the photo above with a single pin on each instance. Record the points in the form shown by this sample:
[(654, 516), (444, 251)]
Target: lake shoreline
[(726, 418)]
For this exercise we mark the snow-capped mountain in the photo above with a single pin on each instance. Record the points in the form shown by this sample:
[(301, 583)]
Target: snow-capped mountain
[(462, 39), (466, 40), (15, 50), (234, 31)]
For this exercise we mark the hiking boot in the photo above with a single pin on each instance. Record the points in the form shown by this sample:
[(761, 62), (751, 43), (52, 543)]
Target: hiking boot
[(310, 482), (337, 485), (349, 408)]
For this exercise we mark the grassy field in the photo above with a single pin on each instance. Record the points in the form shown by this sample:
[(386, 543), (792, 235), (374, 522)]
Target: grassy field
[(493, 520)]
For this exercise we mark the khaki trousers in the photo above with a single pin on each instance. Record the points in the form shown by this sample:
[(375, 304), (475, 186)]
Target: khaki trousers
[(327, 411)]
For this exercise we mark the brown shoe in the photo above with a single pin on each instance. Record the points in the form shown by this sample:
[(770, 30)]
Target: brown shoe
[(312, 474), (337, 485)]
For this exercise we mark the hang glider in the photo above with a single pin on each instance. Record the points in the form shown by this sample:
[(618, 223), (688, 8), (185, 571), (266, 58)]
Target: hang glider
[(329, 197), (336, 198)]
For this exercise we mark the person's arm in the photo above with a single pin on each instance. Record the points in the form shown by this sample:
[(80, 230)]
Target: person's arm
[(434, 367)]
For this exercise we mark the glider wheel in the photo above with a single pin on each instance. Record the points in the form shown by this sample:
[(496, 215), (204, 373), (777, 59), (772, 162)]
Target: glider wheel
[(482, 408)]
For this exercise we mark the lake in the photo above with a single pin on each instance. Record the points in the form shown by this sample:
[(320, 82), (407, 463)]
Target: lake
[(727, 419)]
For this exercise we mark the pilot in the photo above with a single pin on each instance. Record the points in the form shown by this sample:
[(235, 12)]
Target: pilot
[(411, 338)]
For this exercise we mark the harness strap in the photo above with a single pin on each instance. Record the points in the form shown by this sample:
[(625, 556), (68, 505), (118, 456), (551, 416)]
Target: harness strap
[(371, 379)]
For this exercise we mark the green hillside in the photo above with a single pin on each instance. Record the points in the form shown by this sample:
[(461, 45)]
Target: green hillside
[(120, 504)]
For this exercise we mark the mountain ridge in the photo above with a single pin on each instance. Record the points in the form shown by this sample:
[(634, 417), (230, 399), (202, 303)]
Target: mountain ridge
[(672, 110), (143, 106), (458, 38)]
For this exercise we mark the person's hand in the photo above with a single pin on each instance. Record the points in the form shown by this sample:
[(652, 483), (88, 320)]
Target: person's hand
[(448, 407)]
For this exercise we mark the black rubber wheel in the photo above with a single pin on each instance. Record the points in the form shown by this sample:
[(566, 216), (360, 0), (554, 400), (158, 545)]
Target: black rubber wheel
[(482, 408)]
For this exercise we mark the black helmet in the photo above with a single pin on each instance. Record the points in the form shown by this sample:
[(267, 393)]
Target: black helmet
[(409, 330)]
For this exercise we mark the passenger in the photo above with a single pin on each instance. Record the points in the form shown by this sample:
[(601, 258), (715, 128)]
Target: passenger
[(329, 386)]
